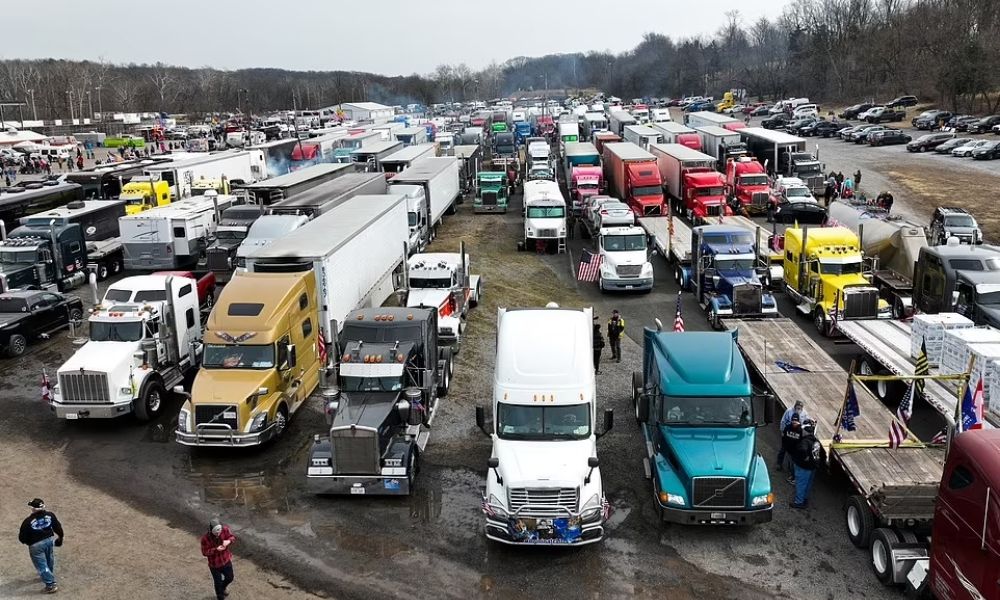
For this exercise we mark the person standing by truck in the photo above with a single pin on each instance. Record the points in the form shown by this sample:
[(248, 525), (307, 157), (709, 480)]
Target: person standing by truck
[(215, 547), (808, 456), (41, 532), (790, 436), (598, 345), (616, 327), (786, 420)]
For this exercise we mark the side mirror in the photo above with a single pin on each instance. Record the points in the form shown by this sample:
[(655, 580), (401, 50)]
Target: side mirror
[(291, 355), (493, 463), (593, 462), (481, 422), (954, 298), (609, 422), (263, 391), (763, 408)]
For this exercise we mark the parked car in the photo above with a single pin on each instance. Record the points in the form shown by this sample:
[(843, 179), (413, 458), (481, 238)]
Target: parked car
[(760, 111), (776, 121), (929, 141), (852, 112), (795, 127), (29, 315), (967, 150), (930, 119), (734, 110), (805, 110), (902, 101), (988, 151), (846, 132), (984, 124), (800, 211), (961, 122), (861, 135), (888, 137), (948, 146), (822, 128), (884, 114), (863, 115)]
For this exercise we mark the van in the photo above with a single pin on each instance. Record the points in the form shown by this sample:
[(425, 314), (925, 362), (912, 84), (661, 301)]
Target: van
[(805, 110), (54, 153)]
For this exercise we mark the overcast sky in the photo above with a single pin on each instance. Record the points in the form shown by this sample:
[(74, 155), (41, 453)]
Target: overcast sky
[(383, 36)]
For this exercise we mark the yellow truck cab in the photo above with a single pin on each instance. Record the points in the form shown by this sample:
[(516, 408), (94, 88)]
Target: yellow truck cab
[(142, 193), (202, 185), (260, 361), (824, 266)]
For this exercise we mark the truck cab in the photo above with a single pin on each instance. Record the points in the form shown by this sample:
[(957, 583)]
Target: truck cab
[(142, 193), (625, 262), (233, 226), (705, 194), (747, 183), (804, 166), (728, 278), (144, 336), (392, 374), (441, 280), (260, 362), (959, 278), (544, 215), (491, 193), (644, 188), (698, 415), (417, 214), (543, 483), (825, 272), (585, 182)]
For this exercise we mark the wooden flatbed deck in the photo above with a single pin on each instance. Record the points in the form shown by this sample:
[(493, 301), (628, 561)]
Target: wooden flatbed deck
[(679, 248), (901, 483)]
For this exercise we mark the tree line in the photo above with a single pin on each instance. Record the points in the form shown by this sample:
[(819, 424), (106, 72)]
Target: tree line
[(945, 51)]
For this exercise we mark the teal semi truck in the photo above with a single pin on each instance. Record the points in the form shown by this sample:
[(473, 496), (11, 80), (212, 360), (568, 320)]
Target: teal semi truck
[(695, 405)]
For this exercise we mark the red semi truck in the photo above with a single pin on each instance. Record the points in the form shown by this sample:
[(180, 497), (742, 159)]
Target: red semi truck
[(696, 189), (632, 175), (747, 182)]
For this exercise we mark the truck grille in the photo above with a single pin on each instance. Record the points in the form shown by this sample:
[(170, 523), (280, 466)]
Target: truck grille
[(214, 415), (489, 199), (217, 259), (861, 304), (628, 270), (355, 451), (759, 199), (549, 501), (747, 299), (82, 387), (545, 233), (715, 211), (719, 492)]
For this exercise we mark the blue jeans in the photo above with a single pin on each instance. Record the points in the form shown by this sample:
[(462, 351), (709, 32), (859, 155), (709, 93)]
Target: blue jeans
[(44, 558), (803, 482)]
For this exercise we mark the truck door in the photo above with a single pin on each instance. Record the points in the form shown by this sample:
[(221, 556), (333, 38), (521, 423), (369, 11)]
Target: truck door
[(932, 286), (959, 554)]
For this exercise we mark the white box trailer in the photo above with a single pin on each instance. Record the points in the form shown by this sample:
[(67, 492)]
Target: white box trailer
[(706, 119), (403, 159), (174, 236), (618, 120), (722, 144), (411, 136), (432, 187), (643, 136), (236, 167), (369, 157), (355, 249)]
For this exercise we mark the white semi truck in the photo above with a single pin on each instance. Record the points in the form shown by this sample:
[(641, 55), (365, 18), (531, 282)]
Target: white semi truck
[(145, 336), (544, 216), (442, 280), (625, 262), (543, 484), (431, 186)]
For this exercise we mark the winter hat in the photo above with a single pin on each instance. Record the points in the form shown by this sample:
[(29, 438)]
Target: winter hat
[(37, 503), (795, 417), (215, 526)]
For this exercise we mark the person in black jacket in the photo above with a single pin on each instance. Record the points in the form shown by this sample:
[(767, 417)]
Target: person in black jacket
[(808, 456), (616, 327), (790, 436), (40, 532), (598, 345)]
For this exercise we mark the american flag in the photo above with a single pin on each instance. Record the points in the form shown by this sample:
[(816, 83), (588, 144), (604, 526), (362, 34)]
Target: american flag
[(590, 267), (940, 437), (321, 348), (972, 408), (46, 390), (897, 429), (487, 509), (678, 319)]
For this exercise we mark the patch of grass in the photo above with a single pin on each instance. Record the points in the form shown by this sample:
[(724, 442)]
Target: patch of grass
[(929, 187)]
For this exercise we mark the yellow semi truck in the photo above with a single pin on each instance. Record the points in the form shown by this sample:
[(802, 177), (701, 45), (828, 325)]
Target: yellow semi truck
[(142, 194), (261, 361), (825, 274)]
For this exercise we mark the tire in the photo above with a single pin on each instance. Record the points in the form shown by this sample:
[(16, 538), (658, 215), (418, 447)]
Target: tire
[(636, 390), (859, 521), (17, 345), (446, 373), (880, 553), (102, 272), (898, 312), (713, 320), (150, 401), (819, 321), (116, 267), (75, 314), (281, 421), (413, 462)]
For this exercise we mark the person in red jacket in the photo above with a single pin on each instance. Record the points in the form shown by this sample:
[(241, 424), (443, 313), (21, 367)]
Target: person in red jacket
[(215, 547)]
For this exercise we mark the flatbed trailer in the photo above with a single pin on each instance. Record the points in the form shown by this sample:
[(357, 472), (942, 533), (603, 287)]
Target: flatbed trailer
[(893, 487), (674, 247), (886, 348)]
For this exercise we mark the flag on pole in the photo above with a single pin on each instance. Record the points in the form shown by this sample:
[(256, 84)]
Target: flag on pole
[(321, 348), (972, 407), (940, 437), (897, 429), (46, 389), (678, 319), (923, 368), (835, 311), (590, 267), (851, 409)]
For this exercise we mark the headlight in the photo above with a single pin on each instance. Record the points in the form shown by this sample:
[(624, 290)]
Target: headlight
[(319, 462), (591, 508), (765, 500), (497, 505), (125, 391), (258, 422), (884, 310), (184, 420), (675, 499)]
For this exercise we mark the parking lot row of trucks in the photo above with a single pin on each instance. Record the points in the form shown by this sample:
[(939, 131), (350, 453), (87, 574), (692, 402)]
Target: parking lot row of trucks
[(785, 154)]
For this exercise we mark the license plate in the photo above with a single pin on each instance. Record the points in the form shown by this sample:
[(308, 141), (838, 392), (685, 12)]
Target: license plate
[(357, 490), (628, 287), (229, 415), (718, 515), (391, 484), (72, 416)]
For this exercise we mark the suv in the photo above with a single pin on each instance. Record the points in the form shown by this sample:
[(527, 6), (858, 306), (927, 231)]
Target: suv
[(882, 114), (775, 121), (950, 221), (983, 125), (888, 137), (852, 112), (821, 128), (862, 136), (796, 126), (931, 119), (902, 101), (929, 141)]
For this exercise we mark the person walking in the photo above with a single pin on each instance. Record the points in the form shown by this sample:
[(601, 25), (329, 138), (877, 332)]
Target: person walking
[(786, 420), (79, 161), (790, 436), (41, 532), (828, 193), (808, 456), (598, 345), (887, 201), (857, 179), (616, 327), (215, 547)]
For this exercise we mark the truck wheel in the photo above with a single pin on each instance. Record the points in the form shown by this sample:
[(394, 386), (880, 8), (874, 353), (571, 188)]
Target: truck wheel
[(17, 345), (445, 381), (474, 300), (819, 320), (636, 390), (898, 312), (413, 467), (76, 314), (881, 556), (150, 401), (679, 277), (280, 421), (452, 209), (102, 272), (859, 521), (882, 389), (210, 299)]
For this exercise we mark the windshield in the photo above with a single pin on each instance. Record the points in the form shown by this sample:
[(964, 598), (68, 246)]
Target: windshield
[(850, 268), (649, 190), (412, 219), (531, 422), (118, 331), (230, 234), (372, 384), (238, 356), (959, 221), (707, 411), (422, 283), (753, 179), (25, 256), (709, 191), (546, 212), (797, 192), (624, 243), (734, 263), (586, 186)]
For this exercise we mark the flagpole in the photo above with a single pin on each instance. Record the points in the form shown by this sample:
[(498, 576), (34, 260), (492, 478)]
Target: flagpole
[(843, 405), (962, 389)]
